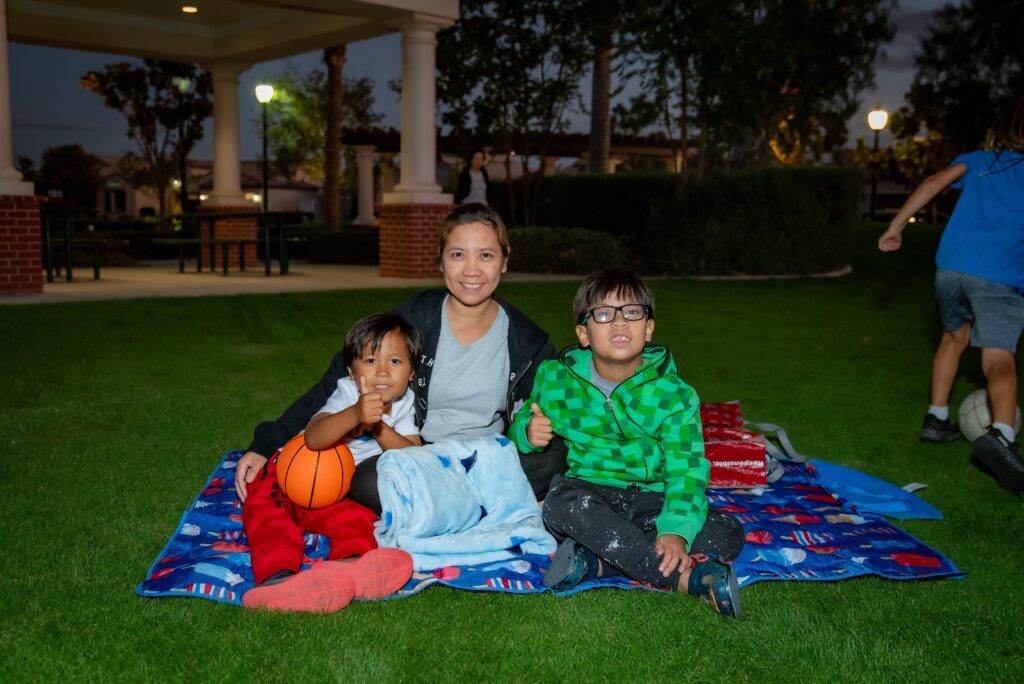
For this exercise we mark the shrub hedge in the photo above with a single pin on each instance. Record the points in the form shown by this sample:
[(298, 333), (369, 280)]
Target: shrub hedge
[(758, 221), (352, 245), (564, 250), (762, 221)]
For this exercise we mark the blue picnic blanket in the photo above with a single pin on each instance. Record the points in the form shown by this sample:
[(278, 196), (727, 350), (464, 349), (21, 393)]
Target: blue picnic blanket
[(795, 529)]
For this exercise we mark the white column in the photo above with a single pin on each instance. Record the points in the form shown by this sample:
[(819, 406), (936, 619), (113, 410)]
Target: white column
[(387, 172), (364, 157), (227, 171), (418, 183), (671, 162), (10, 177)]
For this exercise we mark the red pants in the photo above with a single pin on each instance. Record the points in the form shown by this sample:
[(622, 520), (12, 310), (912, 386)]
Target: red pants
[(274, 527)]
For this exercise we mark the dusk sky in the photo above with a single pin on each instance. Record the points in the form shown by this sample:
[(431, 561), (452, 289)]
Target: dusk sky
[(50, 108)]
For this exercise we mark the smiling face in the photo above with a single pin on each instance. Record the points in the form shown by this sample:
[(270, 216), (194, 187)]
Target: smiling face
[(472, 263), (618, 346), (388, 371), (477, 162)]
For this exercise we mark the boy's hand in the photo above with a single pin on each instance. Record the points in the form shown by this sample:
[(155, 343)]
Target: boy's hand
[(370, 406), (672, 549), (538, 430), (891, 239), (245, 472)]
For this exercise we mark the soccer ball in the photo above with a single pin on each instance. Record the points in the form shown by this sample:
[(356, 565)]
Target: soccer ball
[(975, 415)]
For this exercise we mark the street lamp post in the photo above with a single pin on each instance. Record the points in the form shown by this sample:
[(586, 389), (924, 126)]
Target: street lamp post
[(877, 119), (264, 93)]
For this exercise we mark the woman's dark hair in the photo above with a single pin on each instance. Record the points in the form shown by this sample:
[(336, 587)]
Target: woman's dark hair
[(611, 282), (474, 212), (473, 153), (372, 330)]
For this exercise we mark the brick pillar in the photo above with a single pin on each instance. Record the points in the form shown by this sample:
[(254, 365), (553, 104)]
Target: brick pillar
[(232, 229), (21, 249), (408, 239)]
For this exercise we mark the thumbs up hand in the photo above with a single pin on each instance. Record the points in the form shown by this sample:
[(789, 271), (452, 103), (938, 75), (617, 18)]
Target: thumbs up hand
[(538, 430), (370, 406)]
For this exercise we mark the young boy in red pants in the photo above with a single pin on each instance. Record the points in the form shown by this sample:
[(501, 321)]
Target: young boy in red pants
[(371, 410)]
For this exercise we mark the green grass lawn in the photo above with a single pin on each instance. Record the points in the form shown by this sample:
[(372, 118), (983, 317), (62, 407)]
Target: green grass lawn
[(113, 414)]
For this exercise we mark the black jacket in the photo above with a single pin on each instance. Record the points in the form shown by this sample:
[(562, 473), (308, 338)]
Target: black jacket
[(462, 191), (528, 345)]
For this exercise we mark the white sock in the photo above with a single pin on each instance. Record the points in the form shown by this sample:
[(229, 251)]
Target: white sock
[(1007, 430), (940, 412)]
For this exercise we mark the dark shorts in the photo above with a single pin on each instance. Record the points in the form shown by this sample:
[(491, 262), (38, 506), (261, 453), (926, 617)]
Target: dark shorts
[(995, 311)]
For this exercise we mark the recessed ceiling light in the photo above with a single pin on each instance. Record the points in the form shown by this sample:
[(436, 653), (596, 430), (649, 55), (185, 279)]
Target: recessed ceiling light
[(189, 9)]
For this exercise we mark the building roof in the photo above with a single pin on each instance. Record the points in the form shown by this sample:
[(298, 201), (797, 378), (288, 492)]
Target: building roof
[(242, 31)]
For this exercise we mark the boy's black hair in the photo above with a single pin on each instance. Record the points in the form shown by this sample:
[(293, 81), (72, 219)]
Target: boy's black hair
[(613, 282), (372, 330)]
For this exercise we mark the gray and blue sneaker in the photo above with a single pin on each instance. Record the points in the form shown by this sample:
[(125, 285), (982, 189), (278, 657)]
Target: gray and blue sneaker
[(715, 583), (937, 431), (572, 563), (1001, 457)]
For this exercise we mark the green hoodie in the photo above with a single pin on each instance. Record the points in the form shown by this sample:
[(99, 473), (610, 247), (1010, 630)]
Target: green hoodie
[(646, 436)]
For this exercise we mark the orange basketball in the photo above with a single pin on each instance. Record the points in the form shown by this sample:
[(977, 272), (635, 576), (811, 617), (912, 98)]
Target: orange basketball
[(314, 479)]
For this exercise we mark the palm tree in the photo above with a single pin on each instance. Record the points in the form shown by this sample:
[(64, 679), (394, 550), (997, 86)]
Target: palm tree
[(334, 58)]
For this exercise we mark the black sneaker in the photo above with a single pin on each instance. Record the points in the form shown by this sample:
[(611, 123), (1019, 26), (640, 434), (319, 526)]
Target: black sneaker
[(715, 583), (1001, 457), (572, 563), (938, 431)]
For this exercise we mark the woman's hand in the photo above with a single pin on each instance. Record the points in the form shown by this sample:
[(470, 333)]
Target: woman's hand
[(538, 430), (245, 472)]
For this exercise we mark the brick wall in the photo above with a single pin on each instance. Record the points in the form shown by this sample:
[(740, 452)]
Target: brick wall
[(232, 228), (21, 251), (408, 239)]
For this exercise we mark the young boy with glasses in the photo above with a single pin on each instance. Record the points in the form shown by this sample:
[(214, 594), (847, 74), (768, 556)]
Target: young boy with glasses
[(633, 502)]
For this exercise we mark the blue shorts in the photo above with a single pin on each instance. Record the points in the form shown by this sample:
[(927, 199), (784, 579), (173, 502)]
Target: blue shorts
[(995, 311)]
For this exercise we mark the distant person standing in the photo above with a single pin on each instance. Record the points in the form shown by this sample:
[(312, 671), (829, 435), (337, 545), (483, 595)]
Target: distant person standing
[(473, 181)]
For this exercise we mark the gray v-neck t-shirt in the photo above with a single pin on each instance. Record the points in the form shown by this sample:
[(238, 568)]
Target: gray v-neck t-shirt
[(468, 383)]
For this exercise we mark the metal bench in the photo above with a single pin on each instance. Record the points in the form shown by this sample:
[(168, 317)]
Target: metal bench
[(199, 243)]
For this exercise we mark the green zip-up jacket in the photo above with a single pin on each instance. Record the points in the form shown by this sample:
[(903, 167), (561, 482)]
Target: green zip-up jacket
[(646, 436)]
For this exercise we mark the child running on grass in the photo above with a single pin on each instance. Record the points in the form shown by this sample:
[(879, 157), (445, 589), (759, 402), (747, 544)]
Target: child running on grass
[(979, 286), (370, 410), (633, 502)]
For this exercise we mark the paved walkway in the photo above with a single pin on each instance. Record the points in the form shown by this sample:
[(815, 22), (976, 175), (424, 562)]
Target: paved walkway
[(162, 279)]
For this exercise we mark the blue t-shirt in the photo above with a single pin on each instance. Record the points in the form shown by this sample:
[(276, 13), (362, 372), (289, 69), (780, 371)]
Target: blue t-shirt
[(985, 235)]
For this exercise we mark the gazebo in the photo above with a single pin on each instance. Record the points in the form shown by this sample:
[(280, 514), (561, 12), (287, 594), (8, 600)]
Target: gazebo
[(227, 37)]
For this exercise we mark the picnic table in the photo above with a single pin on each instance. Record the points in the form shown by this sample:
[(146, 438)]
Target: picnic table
[(65, 243)]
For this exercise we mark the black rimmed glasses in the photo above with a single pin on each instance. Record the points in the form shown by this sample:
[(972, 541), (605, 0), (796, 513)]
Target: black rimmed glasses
[(606, 314)]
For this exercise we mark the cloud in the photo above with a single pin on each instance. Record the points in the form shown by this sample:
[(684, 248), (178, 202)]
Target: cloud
[(910, 29)]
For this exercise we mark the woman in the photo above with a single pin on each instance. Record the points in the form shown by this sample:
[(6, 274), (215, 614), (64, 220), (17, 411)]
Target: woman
[(474, 183), (479, 359)]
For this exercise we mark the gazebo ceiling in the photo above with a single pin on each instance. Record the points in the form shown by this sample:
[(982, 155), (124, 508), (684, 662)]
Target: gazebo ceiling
[(243, 31)]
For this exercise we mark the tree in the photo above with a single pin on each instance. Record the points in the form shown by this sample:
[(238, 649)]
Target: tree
[(334, 58), (756, 80), (297, 119), (510, 69), (970, 68), (602, 21), (165, 104), (69, 169)]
